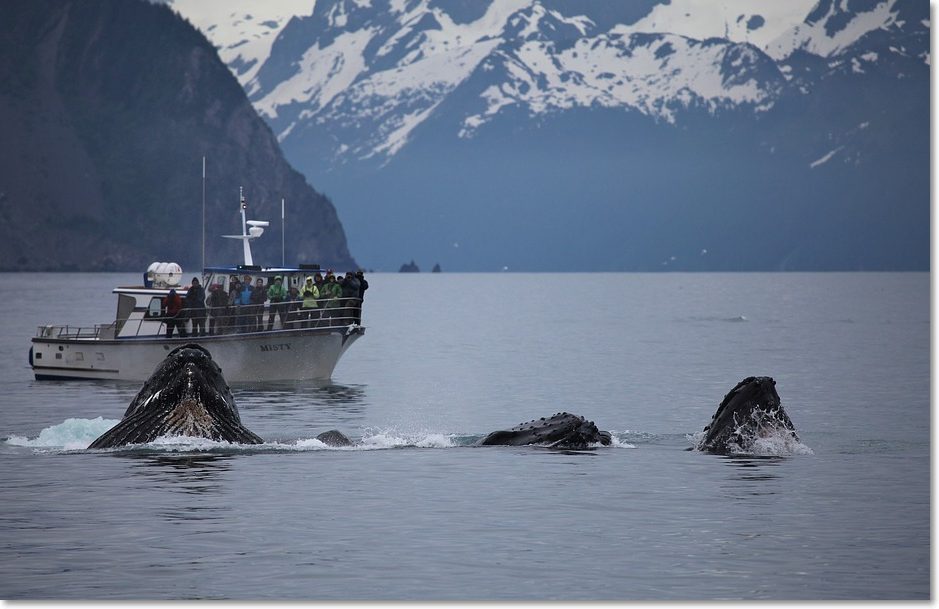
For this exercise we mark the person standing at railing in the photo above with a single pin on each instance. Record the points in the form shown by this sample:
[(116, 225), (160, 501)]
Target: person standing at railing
[(350, 297), (231, 315), (218, 303), (244, 306), (277, 294), (195, 307), (320, 284), (173, 314), (309, 293), (363, 285), (258, 298), (292, 306), (333, 295)]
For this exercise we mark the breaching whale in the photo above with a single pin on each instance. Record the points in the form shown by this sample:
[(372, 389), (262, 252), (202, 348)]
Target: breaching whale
[(751, 410), (185, 396), (562, 430)]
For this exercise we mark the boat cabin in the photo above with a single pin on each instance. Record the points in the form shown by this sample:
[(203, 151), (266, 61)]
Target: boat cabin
[(140, 308)]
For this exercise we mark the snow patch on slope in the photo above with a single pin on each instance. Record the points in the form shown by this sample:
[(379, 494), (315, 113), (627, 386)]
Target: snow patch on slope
[(335, 79), (242, 30), (814, 38), (757, 23), (655, 74), (323, 74)]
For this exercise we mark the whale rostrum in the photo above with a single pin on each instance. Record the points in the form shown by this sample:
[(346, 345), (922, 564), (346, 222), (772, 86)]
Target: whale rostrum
[(562, 430), (185, 396), (750, 411)]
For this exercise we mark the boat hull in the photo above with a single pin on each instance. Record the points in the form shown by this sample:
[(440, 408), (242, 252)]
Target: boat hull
[(287, 355)]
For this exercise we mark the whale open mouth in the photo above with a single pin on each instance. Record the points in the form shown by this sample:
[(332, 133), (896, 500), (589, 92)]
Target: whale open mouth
[(190, 418), (185, 396)]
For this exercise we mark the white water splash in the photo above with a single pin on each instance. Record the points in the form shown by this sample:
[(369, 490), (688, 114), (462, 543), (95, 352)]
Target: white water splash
[(779, 444), (776, 443), (71, 434), (616, 442), (78, 434)]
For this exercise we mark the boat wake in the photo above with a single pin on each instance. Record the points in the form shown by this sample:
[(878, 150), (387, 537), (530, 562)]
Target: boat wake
[(77, 434)]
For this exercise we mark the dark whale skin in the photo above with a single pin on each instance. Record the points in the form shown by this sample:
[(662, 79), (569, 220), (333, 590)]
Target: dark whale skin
[(562, 430), (334, 437), (185, 396), (750, 410)]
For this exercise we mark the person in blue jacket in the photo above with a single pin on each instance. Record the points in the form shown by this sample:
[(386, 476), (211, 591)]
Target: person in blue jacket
[(243, 302)]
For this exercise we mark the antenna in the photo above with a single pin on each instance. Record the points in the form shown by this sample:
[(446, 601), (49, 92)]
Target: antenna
[(203, 212), (283, 233)]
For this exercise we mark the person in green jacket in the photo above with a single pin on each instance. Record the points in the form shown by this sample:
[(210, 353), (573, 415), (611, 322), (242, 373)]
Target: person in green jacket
[(309, 293), (332, 296), (277, 294)]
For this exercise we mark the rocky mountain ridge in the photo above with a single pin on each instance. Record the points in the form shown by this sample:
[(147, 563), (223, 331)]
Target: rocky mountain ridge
[(390, 63), (112, 106)]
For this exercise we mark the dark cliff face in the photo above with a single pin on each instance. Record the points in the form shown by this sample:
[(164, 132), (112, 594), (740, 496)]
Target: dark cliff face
[(106, 110)]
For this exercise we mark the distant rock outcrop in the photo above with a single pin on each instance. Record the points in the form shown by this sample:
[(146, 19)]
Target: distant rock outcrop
[(436, 268), (106, 111), (409, 268)]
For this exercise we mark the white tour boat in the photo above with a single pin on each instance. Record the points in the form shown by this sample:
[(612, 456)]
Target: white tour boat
[(298, 346)]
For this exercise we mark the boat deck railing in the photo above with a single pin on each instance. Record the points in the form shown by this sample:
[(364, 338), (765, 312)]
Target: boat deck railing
[(235, 319), (53, 331)]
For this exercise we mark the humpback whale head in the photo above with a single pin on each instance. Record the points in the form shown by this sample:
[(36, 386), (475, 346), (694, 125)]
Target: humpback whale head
[(185, 396), (750, 411), (562, 430)]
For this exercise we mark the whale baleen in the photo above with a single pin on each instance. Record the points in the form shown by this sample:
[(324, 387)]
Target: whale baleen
[(562, 430), (185, 396), (751, 410)]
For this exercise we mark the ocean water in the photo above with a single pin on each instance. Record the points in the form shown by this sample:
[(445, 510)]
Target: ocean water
[(417, 513)]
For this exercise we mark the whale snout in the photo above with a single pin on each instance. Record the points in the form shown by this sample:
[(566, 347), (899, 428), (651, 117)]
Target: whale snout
[(562, 430), (750, 410), (192, 377), (185, 396)]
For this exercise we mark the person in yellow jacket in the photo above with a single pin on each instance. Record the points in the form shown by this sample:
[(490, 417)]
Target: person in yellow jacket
[(308, 313)]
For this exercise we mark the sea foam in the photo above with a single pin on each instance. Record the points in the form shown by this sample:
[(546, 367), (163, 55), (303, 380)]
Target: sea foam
[(71, 434), (78, 434)]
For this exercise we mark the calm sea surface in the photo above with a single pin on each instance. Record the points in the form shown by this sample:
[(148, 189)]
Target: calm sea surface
[(415, 513)]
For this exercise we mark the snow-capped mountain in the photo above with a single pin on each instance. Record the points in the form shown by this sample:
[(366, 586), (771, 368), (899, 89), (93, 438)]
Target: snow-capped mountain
[(388, 64), (242, 30), (362, 93)]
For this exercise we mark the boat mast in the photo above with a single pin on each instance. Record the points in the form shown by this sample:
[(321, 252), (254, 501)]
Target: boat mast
[(256, 230), (244, 227), (203, 212)]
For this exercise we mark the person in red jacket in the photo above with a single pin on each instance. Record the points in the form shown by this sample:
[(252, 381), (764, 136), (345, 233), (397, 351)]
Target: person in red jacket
[(172, 313)]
